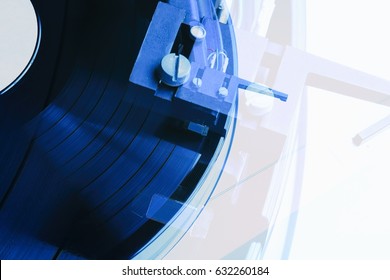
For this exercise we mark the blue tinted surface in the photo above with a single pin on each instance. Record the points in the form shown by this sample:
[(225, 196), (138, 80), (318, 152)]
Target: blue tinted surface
[(77, 179)]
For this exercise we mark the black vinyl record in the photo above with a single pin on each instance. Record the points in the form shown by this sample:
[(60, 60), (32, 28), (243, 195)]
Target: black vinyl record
[(81, 152)]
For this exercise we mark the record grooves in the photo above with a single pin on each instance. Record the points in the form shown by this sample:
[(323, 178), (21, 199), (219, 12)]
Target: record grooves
[(77, 174)]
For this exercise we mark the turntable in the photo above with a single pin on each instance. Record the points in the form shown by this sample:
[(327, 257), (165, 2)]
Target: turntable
[(134, 133)]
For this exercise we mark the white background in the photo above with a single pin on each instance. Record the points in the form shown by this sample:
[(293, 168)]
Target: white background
[(345, 206)]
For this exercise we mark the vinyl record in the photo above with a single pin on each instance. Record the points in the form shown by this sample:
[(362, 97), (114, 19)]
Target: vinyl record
[(88, 158)]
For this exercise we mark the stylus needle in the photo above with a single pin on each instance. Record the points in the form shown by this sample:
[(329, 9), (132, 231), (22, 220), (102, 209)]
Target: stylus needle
[(371, 131)]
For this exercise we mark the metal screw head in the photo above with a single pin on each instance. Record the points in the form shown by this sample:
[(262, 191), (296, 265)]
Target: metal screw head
[(197, 82), (175, 69), (198, 32), (223, 92)]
